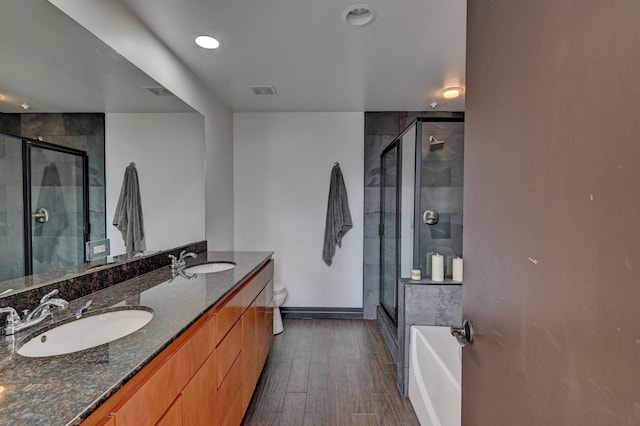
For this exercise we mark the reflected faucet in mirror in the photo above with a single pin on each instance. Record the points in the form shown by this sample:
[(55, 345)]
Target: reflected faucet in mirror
[(181, 260)]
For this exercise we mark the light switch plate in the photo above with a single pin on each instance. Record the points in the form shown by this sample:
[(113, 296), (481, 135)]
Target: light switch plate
[(97, 249)]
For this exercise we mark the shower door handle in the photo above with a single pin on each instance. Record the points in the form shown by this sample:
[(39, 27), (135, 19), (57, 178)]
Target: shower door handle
[(41, 215), (464, 334)]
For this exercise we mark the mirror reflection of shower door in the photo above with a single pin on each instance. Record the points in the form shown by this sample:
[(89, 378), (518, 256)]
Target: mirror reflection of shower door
[(12, 260), (58, 206), (389, 229)]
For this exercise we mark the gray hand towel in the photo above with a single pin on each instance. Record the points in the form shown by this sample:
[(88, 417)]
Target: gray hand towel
[(128, 215), (338, 220)]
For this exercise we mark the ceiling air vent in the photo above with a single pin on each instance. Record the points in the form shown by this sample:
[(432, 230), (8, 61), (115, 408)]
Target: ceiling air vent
[(264, 89), (158, 90)]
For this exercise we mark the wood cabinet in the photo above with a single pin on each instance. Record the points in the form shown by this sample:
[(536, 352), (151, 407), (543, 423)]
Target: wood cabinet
[(250, 372), (208, 374), (200, 396), (174, 414)]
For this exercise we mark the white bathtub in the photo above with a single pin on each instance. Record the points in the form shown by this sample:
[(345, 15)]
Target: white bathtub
[(435, 374)]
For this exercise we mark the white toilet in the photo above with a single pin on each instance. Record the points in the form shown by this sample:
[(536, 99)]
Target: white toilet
[(279, 297)]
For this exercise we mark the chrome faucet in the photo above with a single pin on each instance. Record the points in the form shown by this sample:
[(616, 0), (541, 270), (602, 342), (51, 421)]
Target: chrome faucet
[(181, 261), (43, 311)]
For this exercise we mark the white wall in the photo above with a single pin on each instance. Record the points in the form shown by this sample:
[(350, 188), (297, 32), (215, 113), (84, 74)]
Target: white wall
[(168, 150), (114, 24), (282, 166)]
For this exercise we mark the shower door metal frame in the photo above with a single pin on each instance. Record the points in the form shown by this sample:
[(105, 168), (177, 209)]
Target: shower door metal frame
[(27, 143), (397, 142), (381, 231)]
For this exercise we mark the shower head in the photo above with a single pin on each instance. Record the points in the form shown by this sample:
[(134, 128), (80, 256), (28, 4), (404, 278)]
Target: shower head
[(435, 144)]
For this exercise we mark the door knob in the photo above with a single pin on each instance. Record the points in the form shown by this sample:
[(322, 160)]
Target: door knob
[(41, 215), (464, 334)]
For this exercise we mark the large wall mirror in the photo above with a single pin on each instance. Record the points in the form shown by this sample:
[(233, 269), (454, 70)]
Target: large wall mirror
[(74, 114)]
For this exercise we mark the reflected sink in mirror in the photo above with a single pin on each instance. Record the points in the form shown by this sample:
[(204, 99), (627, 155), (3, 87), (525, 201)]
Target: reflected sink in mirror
[(93, 329), (207, 268)]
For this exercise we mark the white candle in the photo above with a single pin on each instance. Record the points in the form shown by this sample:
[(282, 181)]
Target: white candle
[(457, 269), (437, 267), (416, 274)]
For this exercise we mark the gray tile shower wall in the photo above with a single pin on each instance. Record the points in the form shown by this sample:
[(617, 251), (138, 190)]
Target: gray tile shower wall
[(11, 214), (380, 129)]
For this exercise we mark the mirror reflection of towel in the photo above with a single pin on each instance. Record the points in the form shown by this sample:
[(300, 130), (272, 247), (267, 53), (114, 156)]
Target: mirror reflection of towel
[(51, 199), (128, 215)]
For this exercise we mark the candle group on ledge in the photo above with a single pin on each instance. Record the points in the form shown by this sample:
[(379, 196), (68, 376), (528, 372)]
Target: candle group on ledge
[(435, 265)]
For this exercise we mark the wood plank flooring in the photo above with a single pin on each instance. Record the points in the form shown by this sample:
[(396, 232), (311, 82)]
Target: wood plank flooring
[(329, 372)]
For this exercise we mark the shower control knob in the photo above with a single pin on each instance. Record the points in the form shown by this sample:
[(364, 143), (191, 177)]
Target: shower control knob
[(430, 217), (464, 334), (41, 215)]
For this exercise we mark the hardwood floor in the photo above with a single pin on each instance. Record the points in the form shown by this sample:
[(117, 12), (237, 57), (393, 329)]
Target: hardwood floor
[(329, 372)]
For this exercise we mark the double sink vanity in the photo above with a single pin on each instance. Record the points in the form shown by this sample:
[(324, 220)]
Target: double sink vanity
[(167, 347)]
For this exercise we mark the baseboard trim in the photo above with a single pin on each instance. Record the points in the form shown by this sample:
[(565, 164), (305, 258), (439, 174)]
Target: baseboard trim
[(320, 312)]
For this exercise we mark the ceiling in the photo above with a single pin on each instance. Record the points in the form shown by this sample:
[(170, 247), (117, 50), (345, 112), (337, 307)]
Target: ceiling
[(317, 62), (55, 65)]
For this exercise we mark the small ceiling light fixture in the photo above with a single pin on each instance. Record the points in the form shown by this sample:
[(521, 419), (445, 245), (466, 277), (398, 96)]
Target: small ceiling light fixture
[(25, 106), (359, 15), (207, 42), (451, 92)]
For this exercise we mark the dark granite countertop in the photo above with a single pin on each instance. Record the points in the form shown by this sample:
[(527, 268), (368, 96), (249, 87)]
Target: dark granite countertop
[(65, 389)]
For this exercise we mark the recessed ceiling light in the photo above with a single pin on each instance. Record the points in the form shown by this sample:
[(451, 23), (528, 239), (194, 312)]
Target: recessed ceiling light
[(451, 92), (207, 42), (359, 15), (25, 106)]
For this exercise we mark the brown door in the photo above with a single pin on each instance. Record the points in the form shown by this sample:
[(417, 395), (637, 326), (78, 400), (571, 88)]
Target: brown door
[(552, 213)]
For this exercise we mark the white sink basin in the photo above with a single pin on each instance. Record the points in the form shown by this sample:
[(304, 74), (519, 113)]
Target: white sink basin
[(93, 329), (207, 268)]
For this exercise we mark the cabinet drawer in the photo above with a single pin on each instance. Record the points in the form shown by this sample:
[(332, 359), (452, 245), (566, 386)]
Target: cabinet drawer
[(200, 396), (249, 357), (235, 414), (230, 388), (252, 289), (228, 315), (109, 421), (173, 416), (268, 271), (228, 351), (149, 401)]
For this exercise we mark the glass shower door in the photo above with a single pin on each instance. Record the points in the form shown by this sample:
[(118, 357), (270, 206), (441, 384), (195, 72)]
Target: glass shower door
[(389, 229), (58, 207)]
